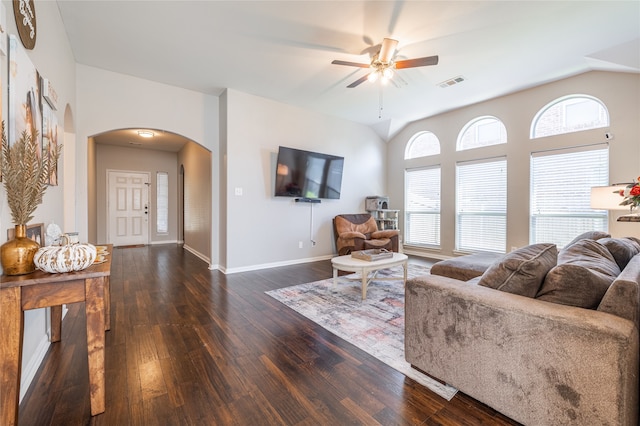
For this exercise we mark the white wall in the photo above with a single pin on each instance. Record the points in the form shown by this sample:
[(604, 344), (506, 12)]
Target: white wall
[(108, 101), (53, 58), (619, 92), (263, 230)]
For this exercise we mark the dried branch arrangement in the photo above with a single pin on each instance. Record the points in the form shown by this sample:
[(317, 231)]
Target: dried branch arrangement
[(25, 175)]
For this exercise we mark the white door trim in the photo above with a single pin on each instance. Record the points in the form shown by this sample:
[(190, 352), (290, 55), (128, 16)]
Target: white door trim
[(147, 180)]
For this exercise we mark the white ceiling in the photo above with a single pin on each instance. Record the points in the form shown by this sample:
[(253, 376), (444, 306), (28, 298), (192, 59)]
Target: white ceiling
[(283, 50)]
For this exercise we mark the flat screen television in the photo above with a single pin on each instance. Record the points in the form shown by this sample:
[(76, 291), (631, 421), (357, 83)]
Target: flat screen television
[(308, 175)]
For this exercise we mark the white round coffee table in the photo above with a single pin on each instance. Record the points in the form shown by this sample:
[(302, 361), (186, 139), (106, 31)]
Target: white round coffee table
[(365, 267)]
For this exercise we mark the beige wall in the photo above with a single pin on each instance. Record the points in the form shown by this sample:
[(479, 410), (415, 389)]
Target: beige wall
[(109, 101), (619, 92), (263, 230), (136, 160), (198, 231)]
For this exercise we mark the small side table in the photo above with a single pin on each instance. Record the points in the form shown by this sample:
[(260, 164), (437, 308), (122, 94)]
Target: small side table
[(40, 290), (364, 267)]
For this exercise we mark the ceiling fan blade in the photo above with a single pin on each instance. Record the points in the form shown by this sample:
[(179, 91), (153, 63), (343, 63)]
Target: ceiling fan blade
[(358, 82), (418, 62), (387, 50), (350, 64)]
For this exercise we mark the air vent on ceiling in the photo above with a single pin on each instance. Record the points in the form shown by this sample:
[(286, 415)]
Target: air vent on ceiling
[(452, 81)]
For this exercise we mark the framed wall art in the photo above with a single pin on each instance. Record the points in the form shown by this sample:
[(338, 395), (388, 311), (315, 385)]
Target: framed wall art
[(35, 232), (25, 103), (50, 139)]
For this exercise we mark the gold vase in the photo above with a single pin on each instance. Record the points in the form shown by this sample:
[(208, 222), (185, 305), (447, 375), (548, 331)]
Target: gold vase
[(17, 254)]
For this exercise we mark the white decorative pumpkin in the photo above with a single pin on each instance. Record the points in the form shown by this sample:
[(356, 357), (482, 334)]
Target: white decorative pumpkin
[(65, 258)]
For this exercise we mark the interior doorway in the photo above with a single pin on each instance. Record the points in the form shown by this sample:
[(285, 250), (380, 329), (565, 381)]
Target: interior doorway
[(127, 208)]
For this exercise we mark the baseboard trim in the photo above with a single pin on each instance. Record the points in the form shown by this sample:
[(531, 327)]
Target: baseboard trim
[(29, 371), (197, 254), (274, 264)]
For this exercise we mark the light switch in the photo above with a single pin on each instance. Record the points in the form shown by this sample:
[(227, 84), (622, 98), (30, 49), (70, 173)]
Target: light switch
[(238, 191)]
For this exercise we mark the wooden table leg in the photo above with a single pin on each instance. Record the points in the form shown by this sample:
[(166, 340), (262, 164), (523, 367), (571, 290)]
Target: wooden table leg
[(365, 282), (107, 304), (94, 308), (405, 265), (56, 323), (12, 329)]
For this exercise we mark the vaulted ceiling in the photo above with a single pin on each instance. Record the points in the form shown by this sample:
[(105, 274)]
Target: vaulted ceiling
[(283, 50)]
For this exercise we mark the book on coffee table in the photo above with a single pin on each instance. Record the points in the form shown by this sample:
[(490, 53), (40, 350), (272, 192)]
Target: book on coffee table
[(372, 254)]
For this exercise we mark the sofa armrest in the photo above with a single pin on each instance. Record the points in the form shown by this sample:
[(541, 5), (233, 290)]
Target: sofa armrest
[(623, 296), (386, 233), (534, 361), (351, 235)]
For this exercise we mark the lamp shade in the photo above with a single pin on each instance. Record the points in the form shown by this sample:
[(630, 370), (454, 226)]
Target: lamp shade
[(607, 197)]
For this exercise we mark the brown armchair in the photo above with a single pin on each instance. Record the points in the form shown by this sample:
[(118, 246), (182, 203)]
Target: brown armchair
[(360, 232)]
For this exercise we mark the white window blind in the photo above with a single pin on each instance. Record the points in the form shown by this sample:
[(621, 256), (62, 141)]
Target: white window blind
[(481, 205), (162, 202), (561, 184), (422, 206)]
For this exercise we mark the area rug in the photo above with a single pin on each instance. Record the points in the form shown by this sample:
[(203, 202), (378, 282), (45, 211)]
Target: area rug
[(375, 325)]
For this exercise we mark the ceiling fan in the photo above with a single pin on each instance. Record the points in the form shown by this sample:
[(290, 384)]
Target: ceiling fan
[(382, 64)]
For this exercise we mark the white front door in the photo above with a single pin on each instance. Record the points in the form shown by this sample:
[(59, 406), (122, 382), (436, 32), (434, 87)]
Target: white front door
[(128, 208)]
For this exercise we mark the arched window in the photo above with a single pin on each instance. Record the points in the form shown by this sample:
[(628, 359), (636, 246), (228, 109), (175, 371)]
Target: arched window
[(569, 114), (422, 144), (481, 131)]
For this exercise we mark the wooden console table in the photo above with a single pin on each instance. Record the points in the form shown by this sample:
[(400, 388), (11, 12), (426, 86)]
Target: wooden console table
[(39, 290)]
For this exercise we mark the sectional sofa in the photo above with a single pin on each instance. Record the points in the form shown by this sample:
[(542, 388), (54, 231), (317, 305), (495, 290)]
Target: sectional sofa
[(543, 336)]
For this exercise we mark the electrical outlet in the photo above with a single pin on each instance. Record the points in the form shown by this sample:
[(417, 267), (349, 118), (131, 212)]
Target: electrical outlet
[(299, 244)]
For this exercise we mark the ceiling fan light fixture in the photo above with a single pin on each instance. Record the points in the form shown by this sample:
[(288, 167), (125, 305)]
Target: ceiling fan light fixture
[(387, 73), (387, 49), (373, 76)]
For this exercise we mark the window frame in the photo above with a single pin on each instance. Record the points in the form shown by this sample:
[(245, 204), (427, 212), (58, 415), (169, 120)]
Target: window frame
[(474, 125), (415, 139), (162, 203), (435, 213), (460, 215), (564, 99), (570, 218)]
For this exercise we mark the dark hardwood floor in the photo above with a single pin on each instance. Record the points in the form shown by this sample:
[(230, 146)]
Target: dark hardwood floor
[(190, 346)]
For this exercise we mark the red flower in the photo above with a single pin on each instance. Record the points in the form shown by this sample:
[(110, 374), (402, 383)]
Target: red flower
[(635, 191)]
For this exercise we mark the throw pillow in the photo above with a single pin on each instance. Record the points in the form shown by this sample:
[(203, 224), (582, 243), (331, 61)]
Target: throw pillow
[(521, 271), (583, 275), (622, 249), (589, 235)]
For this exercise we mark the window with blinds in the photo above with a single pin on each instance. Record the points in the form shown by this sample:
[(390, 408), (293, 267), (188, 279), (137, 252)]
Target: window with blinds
[(481, 205), (561, 184), (162, 202), (422, 206)]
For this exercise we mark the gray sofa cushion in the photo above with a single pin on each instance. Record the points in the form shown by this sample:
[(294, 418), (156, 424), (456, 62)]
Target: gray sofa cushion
[(464, 268), (583, 275), (622, 249), (589, 235), (521, 271)]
